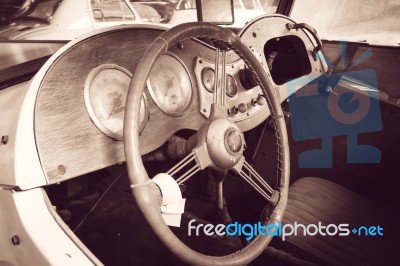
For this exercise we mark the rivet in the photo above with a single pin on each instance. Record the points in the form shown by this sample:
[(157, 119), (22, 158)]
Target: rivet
[(4, 139), (61, 170), (180, 45), (15, 240), (254, 34)]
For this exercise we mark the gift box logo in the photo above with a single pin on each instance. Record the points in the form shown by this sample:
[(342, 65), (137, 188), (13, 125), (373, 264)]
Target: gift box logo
[(339, 104)]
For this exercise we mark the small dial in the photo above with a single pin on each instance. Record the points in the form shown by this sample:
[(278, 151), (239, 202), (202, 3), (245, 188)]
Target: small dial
[(170, 86), (231, 86), (208, 78), (106, 89)]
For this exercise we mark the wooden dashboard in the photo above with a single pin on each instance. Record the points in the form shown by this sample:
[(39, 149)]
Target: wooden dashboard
[(70, 144)]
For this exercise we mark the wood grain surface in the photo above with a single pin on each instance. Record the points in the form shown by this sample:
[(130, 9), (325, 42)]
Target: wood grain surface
[(69, 144)]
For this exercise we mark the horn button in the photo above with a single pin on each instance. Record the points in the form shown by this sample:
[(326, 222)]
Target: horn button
[(233, 141), (225, 143)]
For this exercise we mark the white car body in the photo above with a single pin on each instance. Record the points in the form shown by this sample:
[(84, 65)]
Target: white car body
[(40, 238), (62, 25)]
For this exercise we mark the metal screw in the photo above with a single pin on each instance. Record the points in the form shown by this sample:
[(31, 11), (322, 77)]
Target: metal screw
[(4, 139), (180, 45), (15, 240), (61, 170)]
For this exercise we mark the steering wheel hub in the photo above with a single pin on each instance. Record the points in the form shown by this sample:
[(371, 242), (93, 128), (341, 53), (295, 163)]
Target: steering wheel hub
[(225, 143), (233, 141)]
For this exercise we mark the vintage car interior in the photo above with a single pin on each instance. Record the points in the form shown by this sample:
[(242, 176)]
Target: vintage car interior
[(97, 132)]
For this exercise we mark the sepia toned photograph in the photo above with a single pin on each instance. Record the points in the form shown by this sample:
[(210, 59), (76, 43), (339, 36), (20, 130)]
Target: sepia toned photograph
[(199, 132)]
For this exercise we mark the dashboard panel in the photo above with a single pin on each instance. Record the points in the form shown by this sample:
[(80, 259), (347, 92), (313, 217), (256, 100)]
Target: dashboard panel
[(241, 101), (80, 104)]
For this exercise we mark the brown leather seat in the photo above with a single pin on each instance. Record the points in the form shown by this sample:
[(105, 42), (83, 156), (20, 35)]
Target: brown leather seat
[(313, 200)]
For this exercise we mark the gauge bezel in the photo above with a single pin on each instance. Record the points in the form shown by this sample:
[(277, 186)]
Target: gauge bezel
[(203, 71), (154, 97), (228, 76), (89, 108), (236, 86)]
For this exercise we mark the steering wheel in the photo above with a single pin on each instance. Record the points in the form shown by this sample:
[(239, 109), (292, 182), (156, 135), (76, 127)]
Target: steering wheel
[(218, 144)]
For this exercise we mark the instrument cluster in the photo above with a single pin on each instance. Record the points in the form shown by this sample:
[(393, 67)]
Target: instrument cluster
[(243, 97), (170, 87)]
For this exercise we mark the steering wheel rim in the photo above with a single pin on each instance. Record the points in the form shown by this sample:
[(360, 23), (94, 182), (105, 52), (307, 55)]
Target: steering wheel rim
[(145, 192)]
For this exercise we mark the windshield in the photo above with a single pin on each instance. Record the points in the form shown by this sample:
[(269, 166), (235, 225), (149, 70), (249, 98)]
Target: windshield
[(238, 4), (375, 22), (111, 10), (186, 4), (68, 19)]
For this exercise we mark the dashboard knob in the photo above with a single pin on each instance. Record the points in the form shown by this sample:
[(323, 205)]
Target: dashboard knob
[(242, 107), (234, 110)]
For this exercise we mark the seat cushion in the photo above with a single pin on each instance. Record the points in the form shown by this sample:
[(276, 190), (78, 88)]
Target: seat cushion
[(313, 200)]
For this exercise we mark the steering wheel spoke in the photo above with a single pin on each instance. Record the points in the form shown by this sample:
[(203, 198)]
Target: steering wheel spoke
[(197, 160), (220, 77), (250, 175)]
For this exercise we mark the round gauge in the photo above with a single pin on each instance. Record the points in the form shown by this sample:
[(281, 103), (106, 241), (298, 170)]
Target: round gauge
[(231, 86), (106, 89), (170, 86), (208, 78)]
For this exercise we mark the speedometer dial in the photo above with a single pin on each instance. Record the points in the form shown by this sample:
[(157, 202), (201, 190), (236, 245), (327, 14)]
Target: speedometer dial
[(231, 86), (106, 89), (170, 86)]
